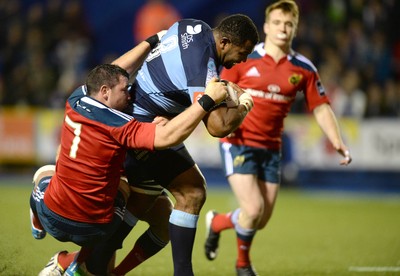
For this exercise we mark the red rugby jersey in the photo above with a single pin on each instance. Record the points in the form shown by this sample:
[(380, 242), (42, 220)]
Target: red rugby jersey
[(94, 140), (273, 87)]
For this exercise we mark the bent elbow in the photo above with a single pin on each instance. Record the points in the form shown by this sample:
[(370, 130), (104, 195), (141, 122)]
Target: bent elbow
[(219, 133)]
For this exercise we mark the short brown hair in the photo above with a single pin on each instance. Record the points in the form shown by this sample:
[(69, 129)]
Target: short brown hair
[(287, 6), (104, 74)]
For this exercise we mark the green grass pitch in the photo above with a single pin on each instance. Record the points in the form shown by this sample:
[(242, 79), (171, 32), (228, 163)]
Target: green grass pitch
[(311, 233)]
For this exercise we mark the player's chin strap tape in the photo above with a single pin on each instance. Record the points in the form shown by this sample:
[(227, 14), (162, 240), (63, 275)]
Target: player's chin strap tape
[(206, 102)]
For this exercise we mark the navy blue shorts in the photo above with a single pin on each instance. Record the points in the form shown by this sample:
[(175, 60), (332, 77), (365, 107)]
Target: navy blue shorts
[(63, 229), (153, 171), (240, 159)]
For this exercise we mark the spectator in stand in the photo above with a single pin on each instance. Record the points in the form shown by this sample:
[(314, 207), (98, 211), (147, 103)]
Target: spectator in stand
[(374, 104), (391, 106), (152, 17), (348, 99)]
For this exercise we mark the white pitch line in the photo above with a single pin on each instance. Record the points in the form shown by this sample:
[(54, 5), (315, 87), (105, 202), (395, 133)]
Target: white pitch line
[(374, 268)]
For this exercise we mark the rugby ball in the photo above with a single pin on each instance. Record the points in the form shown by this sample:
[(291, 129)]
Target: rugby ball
[(232, 100)]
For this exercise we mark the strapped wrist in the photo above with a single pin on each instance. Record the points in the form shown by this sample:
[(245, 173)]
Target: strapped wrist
[(206, 102), (247, 101), (153, 41)]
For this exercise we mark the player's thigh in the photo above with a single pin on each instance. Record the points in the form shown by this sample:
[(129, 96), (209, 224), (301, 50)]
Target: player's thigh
[(158, 217), (188, 181), (270, 194), (160, 211), (157, 168), (247, 192), (140, 203), (241, 168)]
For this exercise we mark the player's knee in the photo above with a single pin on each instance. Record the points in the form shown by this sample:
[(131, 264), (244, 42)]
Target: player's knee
[(264, 220), (253, 212), (192, 197), (47, 170), (165, 205), (189, 190)]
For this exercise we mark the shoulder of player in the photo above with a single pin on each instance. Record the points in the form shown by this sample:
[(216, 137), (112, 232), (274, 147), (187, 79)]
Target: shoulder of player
[(300, 60), (194, 30), (96, 112), (77, 94), (194, 22)]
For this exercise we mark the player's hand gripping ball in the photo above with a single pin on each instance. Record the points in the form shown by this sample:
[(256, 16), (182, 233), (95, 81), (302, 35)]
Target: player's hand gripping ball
[(234, 92)]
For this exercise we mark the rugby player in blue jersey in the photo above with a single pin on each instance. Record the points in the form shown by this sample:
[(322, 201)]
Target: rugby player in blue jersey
[(173, 76), (82, 199)]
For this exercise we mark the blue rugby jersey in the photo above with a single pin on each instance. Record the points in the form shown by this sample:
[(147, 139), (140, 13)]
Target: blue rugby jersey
[(179, 67)]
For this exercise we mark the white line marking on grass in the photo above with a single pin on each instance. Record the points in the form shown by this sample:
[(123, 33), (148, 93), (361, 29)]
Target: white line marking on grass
[(374, 268)]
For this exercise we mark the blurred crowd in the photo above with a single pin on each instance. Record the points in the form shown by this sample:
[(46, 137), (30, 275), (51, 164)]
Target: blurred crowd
[(45, 51), (353, 45)]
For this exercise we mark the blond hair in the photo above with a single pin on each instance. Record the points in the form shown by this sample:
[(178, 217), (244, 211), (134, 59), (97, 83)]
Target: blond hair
[(287, 6)]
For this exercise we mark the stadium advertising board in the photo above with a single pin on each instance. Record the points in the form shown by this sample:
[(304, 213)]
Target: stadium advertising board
[(32, 136)]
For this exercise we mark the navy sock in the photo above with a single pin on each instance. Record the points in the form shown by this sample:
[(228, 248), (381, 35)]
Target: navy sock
[(97, 263), (182, 239)]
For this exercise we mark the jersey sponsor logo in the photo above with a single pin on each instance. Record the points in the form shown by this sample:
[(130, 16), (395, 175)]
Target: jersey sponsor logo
[(253, 72), (274, 88), (269, 95), (320, 88), (185, 40), (238, 161), (193, 30), (187, 37), (295, 79)]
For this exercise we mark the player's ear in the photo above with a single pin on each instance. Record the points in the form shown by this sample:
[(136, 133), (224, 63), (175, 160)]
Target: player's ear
[(265, 28), (224, 41), (104, 92)]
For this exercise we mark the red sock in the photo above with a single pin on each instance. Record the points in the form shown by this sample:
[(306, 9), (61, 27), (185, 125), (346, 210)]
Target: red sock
[(243, 249), (146, 246), (36, 222), (135, 257), (65, 259), (221, 222)]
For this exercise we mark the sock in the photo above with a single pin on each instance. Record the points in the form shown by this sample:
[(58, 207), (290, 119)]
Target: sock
[(222, 222), (235, 216), (244, 238), (83, 254), (146, 246), (182, 231), (102, 253), (79, 258), (35, 221), (65, 259)]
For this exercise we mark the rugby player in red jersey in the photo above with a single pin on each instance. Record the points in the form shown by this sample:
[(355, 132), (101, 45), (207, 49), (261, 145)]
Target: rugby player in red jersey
[(82, 199), (273, 74)]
